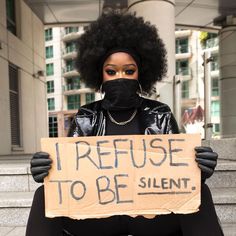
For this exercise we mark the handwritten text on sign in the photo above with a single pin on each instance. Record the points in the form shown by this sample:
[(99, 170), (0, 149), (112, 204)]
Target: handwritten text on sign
[(111, 175)]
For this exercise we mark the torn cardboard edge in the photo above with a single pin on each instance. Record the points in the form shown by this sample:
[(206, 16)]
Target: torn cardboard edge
[(53, 209)]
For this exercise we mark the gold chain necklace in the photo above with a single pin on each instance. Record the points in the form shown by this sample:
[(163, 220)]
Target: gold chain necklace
[(122, 122)]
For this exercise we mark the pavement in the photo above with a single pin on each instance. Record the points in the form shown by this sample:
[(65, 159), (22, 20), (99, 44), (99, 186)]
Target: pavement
[(12, 231)]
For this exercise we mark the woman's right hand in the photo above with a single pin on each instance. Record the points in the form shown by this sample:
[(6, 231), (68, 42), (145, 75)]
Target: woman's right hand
[(40, 165)]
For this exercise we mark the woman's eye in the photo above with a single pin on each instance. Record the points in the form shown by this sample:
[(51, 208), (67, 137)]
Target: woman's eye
[(110, 72), (129, 72)]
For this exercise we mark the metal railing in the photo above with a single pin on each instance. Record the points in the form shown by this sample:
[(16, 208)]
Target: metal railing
[(183, 71), (69, 49), (211, 43), (182, 49), (69, 30), (68, 68), (69, 87)]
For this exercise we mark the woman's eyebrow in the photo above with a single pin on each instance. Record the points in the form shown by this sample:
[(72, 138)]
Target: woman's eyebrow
[(130, 65), (110, 65)]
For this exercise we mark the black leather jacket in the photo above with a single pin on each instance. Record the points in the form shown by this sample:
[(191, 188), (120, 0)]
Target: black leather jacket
[(155, 118)]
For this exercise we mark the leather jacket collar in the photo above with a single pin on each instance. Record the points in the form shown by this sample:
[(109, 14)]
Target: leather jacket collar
[(155, 118)]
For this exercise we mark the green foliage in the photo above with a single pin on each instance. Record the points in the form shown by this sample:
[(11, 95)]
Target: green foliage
[(204, 36)]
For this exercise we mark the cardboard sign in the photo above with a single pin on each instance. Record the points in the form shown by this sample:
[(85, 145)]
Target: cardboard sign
[(93, 177)]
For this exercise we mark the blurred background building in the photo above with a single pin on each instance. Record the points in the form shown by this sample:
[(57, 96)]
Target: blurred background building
[(190, 48), (65, 91)]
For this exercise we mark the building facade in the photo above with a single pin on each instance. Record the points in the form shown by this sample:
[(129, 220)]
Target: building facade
[(190, 47), (65, 91), (23, 112)]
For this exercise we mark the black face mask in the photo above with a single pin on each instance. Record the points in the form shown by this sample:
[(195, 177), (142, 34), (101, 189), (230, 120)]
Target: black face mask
[(120, 94)]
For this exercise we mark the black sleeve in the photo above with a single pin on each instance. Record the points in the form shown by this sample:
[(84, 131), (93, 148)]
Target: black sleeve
[(173, 126), (72, 128)]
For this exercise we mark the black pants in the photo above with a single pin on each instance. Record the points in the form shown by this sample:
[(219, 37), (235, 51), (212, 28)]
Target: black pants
[(202, 223)]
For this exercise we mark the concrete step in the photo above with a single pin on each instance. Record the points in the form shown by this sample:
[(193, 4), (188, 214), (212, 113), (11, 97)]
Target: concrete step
[(14, 208), (225, 204), (224, 175), (226, 147), (229, 229), (16, 177), (13, 231)]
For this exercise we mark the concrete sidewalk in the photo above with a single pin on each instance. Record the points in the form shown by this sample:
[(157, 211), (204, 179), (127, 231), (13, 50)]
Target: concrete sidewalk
[(12, 231)]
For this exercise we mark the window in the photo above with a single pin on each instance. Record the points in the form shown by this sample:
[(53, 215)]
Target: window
[(215, 87), (14, 105), (185, 89), (181, 45), (216, 128), (215, 108), (73, 102), (212, 40), (50, 86), (11, 16), (90, 97), (215, 63), (49, 52), (70, 47), (71, 29), (70, 65), (73, 83), (48, 34), (182, 67), (49, 69), (208, 40), (51, 104), (52, 121)]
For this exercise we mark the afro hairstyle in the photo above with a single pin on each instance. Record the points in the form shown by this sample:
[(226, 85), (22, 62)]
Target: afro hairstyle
[(116, 30)]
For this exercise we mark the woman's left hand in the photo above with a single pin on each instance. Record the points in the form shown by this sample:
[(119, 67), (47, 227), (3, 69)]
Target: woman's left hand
[(207, 160)]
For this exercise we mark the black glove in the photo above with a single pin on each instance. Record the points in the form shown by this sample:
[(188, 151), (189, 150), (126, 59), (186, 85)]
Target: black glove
[(207, 160), (40, 165)]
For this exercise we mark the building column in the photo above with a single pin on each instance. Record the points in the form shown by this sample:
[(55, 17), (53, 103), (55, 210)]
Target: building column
[(227, 58), (61, 124), (162, 14)]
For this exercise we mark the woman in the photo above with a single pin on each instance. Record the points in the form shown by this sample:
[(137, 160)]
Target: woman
[(121, 55)]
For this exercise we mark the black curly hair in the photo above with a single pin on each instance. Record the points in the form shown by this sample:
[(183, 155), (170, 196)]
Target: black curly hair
[(115, 30)]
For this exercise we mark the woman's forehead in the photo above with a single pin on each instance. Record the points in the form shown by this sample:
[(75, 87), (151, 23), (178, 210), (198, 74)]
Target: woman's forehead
[(120, 58)]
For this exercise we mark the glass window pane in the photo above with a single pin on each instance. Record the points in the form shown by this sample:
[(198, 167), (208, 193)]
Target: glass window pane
[(185, 89), (50, 86), (49, 69), (51, 104), (215, 63), (70, 65), (11, 18), (182, 67), (72, 83), (73, 102), (48, 34), (215, 108), (49, 52), (90, 97), (181, 45), (14, 105), (215, 87), (52, 121)]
